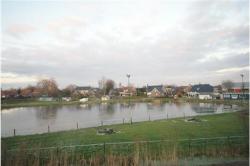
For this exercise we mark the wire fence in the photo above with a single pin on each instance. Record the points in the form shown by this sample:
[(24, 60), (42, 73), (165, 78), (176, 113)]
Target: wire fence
[(86, 124), (235, 139), (184, 147)]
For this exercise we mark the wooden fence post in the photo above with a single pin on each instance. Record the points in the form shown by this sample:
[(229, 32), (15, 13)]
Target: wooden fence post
[(104, 153), (189, 146), (14, 132), (122, 120), (77, 125), (228, 140), (48, 129), (206, 146), (131, 121)]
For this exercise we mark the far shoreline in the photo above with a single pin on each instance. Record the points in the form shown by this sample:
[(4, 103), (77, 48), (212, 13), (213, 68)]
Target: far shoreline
[(8, 104)]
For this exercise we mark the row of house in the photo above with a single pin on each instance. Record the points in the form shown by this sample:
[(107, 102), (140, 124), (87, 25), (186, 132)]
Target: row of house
[(206, 91), (201, 91)]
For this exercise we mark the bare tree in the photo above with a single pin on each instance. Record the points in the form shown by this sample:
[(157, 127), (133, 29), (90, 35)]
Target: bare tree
[(48, 87), (106, 85), (69, 90), (109, 85), (227, 84), (27, 92)]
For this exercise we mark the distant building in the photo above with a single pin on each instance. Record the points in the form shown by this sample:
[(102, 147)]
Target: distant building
[(45, 98), (238, 87), (127, 91), (182, 91), (238, 91), (11, 93), (87, 91), (105, 98), (66, 98), (83, 100), (83, 90), (217, 92), (155, 91), (201, 91), (141, 91)]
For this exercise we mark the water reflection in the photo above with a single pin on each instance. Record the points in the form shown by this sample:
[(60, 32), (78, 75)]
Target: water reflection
[(155, 106), (90, 115), (84, 107), (48, 112), (125, 106), (179, 104), (107, 108), (204, 107)]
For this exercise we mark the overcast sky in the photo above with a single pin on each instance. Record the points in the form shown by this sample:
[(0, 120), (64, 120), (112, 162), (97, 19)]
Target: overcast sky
[(157, 42)]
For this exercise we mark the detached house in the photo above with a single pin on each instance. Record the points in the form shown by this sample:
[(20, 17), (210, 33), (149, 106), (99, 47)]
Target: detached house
[(237, 91), (127, 91), (83, 91), (201, 91), (155, 91)]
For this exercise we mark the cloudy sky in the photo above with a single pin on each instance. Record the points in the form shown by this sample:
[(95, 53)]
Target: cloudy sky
[(157, 42)]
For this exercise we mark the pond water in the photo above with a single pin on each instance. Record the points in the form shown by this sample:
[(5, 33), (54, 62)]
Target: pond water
[(32, 120)]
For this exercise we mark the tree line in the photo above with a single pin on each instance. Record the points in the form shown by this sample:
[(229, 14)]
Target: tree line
[(49, 88)]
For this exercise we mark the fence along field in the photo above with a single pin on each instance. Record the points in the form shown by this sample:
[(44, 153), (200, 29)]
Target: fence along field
[(86, 124), (128, 153), (78, 125)]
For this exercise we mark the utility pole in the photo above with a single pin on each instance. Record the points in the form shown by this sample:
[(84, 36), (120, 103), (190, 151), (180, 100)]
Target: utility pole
[(242, 89), (128, 75)]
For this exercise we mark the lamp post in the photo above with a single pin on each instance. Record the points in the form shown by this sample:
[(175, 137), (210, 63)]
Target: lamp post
[(128, 75), (242, 75)]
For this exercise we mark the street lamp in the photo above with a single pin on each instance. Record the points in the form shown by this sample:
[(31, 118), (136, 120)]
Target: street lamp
[(242, 75), (128, 75)]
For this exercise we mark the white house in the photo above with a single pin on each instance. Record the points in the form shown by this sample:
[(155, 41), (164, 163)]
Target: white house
[(201, 91), (205, 96), (105, 98), (66, 98), (83, 100)]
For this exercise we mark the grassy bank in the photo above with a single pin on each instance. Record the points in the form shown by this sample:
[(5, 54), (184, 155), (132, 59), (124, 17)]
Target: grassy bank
[(226, 124), (35, 103), (163, 153), (12, 103)]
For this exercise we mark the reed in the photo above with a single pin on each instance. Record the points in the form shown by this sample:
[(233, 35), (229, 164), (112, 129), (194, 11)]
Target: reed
[(160, 153)]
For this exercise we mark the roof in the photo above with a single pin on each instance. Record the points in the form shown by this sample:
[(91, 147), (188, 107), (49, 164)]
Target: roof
[(202, 88), (83, 88), (158, 87), (239, 85)]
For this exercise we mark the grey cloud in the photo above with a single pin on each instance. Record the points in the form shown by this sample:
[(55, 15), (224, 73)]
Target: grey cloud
[(211, 14), (18, 30), (169, 56)]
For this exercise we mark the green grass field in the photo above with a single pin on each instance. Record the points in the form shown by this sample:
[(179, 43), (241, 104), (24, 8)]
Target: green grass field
[(227, 124), (173, 153)]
